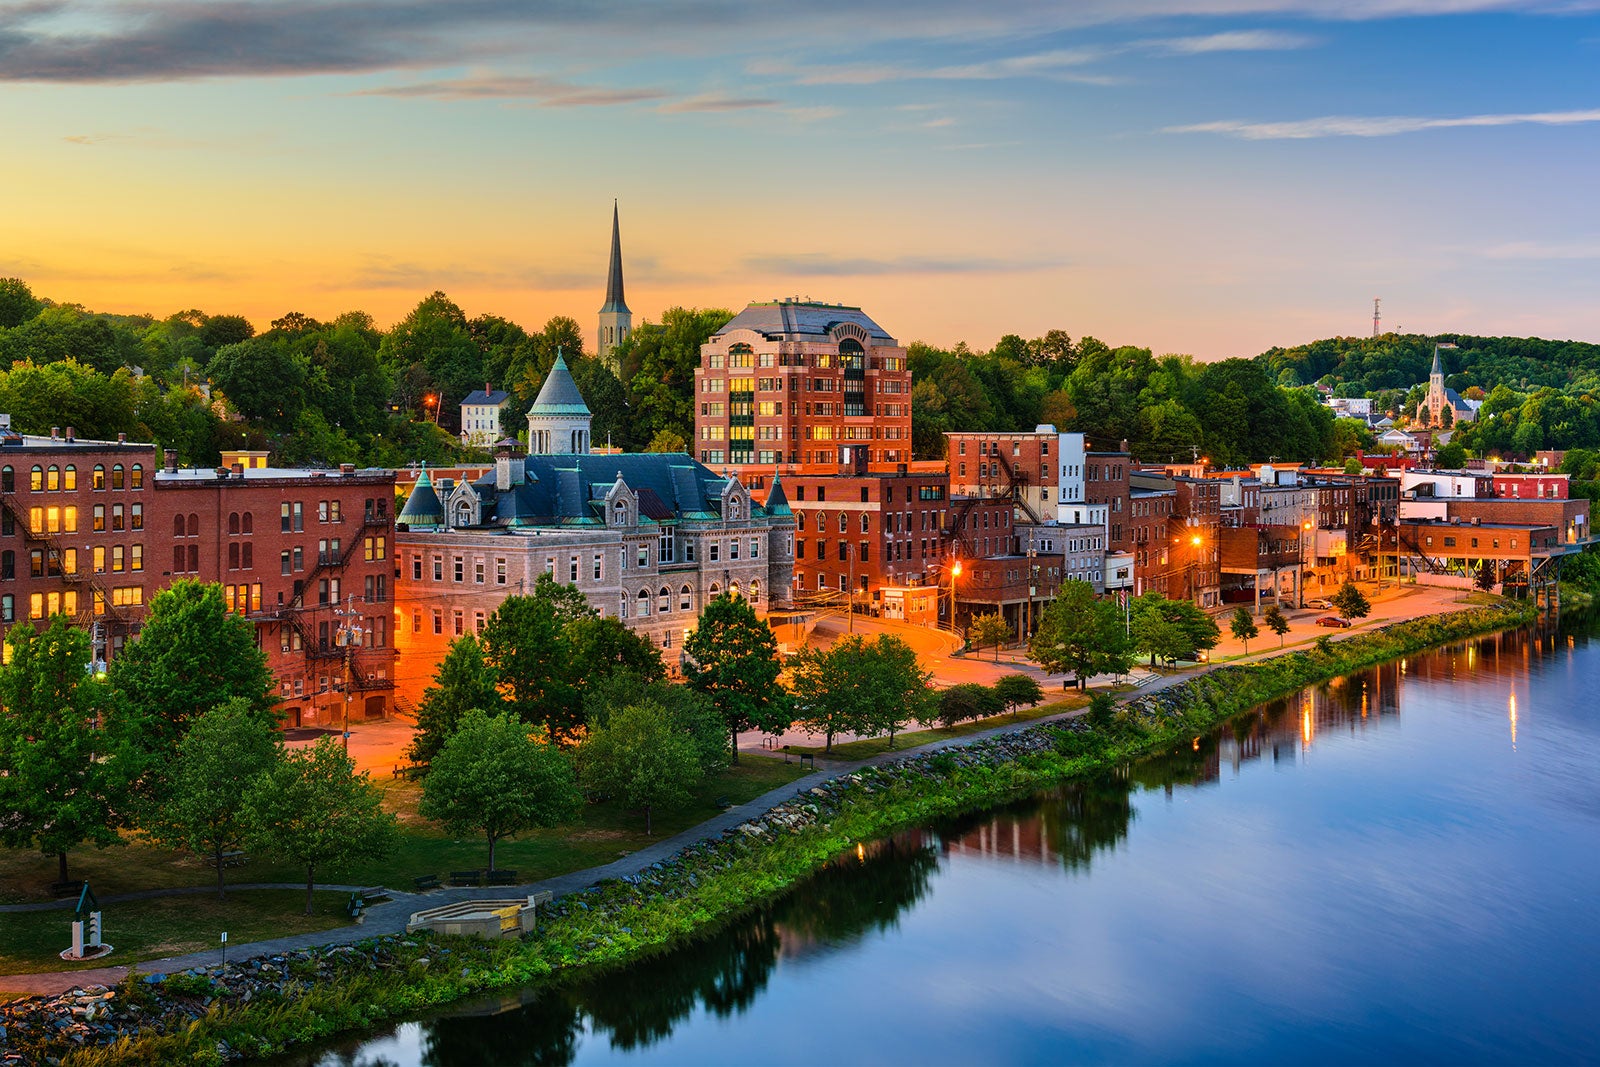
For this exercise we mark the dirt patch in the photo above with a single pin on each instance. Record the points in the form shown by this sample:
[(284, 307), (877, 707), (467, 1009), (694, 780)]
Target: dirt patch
[(598, 835)]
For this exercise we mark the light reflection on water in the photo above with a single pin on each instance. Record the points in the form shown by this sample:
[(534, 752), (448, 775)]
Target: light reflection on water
[(1396, 866)]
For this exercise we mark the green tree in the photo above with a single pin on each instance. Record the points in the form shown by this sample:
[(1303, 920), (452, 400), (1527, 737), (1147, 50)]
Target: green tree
[(463, 682), (17, 303), (1276, 622), (192, 654), (733, 659), (1451, 457), (989, 629), (264, 378), (1243, 627), (638, 758), (688, 710), (1015, 690), (522, 641), (312, 807), (1171, 629), (967, 700), (1081, 635), (494, 778), (226, 748), (435, 339), (667, 441), (824, 701), (658, 363), (1350, 602), (603, 646), (894, 683), (60, 781)]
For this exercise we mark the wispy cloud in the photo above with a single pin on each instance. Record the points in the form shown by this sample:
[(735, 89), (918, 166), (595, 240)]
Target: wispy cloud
[(714, 102), (1061, 64), (547, 92), (825, 265), (1379, 125), (1232, 41)]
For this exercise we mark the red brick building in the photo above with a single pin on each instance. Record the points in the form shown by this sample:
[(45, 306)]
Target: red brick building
[(796, 382), (94, 529), (860, 532)]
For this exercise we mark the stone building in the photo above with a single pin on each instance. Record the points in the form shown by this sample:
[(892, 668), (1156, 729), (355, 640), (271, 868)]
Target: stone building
[(648, 538)]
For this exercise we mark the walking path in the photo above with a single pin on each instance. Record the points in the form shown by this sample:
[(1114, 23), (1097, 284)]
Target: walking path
[(391, 917)]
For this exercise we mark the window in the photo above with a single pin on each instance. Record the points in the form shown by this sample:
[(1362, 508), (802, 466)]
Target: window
[(438, 568), (477, 571), (233, 523), (137, 479), (685, 599), (644, 555), (8, 608), (416, 567), (36, 482), (500, 570), (117, 520), (664, 600), (416, 620), (116, 558), (733, 548), (715, 548), (457, 621), (644, 602), (69, 481), (599, 565), (438, 621), (136, 558), (97, 480), (8, 479), (572, 569), (135, 516), (116, 476), (460, 570), (99, 559), (755, 548)]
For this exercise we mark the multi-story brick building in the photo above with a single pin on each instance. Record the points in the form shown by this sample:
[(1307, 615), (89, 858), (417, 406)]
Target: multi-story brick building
[(94, 529), (797, 382), (862, 532), (1150, 512)]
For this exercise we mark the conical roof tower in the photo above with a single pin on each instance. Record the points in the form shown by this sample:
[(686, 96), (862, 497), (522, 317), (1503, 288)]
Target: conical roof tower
[(558, 422), (423, 507)]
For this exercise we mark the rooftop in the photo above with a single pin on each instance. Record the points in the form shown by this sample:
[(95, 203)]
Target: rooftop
[(802, 319)]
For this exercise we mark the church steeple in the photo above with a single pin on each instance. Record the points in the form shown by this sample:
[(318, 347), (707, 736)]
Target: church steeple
[(615, 319)]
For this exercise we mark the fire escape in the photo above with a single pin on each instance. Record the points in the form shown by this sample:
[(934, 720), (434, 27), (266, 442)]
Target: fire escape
[(98, 604)]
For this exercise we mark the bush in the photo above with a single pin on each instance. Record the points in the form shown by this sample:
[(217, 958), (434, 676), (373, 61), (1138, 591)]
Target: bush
[(1102, 706)]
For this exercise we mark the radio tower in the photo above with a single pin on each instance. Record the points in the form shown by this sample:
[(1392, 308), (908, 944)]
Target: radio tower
[(1375, 316)]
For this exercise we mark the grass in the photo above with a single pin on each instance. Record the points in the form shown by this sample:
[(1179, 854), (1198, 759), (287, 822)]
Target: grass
[(146, 929), (165, 926), (872, 746)]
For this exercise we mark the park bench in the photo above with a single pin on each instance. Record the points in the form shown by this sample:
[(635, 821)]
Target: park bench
[(466, 877), (66, 889), (372, 893), (232, 859), (425, 881), (500, 878)]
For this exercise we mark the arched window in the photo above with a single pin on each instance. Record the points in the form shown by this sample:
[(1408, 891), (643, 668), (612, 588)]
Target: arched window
[(138, 476), (8, 479), (233, 522), (755, 591), (864, 522), (644, 602), (685, 599), (194, 525), (800, 520), (177, 528), (69, 481), (664, 600), (116, 476), (463, 514), (851, 355), (619, 513), (844, 521), (248, 523), (177, 556), (714, 590), (98, 479), (733, 588), (36, 478), (52, 479)]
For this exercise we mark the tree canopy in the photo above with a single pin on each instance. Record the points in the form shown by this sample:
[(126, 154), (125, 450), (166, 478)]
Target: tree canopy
[(1081, 635), (733, 659)]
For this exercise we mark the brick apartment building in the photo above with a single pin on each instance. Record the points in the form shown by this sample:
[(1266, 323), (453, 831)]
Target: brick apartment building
[(797, 382), (94, 529), (860, 532)]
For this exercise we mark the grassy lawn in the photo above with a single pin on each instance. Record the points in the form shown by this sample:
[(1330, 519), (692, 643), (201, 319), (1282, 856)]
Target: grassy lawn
[(150, 929), (872, 746), (606, 830)]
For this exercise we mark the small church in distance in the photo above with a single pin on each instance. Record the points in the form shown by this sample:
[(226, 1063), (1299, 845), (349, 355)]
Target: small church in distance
[(1442, 408)]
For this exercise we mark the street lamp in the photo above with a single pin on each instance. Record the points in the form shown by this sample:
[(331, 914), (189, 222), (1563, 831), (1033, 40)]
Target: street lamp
[(955, 572), (1300, 585), (1194, 563)]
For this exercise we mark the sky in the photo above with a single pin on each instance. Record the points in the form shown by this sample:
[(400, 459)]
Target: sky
[(1210, 177)]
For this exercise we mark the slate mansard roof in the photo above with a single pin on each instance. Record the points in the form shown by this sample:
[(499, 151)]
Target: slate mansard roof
[(796, 320), (571, 490)]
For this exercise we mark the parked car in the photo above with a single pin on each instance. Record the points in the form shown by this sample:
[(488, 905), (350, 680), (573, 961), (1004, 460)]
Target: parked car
[(1334, 621), (1320, 604)]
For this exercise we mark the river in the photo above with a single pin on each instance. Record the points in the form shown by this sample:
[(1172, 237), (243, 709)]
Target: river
[(1398, 866)]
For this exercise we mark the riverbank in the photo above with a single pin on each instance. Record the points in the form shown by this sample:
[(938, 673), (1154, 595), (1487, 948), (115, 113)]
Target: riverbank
[(212, 1015)]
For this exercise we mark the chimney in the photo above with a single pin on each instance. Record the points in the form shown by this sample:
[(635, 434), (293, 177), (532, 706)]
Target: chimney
[(346, 469), (238, 470), (170, 459), (122, 438), (502, 472), (55, 433), (72, 434)]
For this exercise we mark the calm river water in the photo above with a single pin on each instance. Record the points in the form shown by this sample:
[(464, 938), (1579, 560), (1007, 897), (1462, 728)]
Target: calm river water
[(1398, 867)]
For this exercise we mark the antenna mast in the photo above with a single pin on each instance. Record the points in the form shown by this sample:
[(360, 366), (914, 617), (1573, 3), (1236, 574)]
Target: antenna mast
[(1376, 318)]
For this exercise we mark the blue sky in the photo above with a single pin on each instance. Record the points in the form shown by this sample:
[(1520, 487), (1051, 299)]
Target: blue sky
[(1199, 176)]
